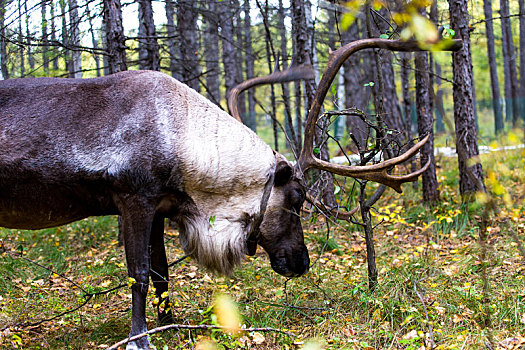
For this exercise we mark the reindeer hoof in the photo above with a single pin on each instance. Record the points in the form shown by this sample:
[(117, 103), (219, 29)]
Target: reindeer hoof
[(165, 318)]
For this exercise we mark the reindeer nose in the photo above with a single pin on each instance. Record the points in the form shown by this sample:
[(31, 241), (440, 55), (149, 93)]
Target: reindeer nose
[(302, 262)]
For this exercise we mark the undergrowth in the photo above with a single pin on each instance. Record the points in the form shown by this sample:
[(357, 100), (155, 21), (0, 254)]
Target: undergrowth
[(430, 280)]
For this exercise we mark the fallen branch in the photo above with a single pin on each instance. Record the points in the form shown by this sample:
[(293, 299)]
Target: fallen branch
[(181, 326)]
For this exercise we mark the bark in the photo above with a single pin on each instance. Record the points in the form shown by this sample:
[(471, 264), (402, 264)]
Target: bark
[(391, 109), (3, 47), (407, 104), (494, 81), (240, 58), (228, 48), (437, 94), (45, 41), (54, 59), (211, 43), (270, 54), (303, 54), (30, 58), (65, 36), (188, 42), (470, 175), (521, 91), (94, 40), (407, 101), (151, 59), (172, 43), (509, 59), (114, 37), (355, 94), (333, 19), (250, 60), (369, 238), (76, 67), (291, 136), (425, 125), (20, 39)]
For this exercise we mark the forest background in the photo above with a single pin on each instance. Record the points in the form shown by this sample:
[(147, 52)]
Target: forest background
[(450, 271)]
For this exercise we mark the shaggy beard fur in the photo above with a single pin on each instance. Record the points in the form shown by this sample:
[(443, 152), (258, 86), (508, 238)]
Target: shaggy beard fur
[(218, 247)]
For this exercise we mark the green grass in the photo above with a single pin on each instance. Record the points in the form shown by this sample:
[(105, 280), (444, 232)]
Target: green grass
[(430, 279)]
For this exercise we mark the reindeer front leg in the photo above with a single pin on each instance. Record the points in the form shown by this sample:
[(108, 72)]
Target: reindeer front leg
[(159, 271), (137, 220)]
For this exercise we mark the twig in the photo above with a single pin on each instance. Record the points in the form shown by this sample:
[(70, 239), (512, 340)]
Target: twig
[(430, 331), (202, 326)]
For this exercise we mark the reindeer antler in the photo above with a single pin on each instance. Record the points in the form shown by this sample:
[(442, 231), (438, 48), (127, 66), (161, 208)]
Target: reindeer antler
[(303, 72), (375, 172)]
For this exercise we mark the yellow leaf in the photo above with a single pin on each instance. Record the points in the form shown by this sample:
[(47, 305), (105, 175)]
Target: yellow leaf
[(227, 313), (424, 29), (105, 284), (206, 345), (258, 338), (457, 319), (131, 281), (312, 345)]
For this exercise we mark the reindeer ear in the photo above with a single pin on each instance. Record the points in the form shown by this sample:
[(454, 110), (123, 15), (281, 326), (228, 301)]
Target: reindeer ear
[(283, 173)]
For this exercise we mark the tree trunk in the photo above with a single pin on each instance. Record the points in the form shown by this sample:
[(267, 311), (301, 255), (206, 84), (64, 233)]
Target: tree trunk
[(228, 49), (115, 39), (405, 83), (521, 92), (425, 125), (54, 59), (391, 109), (151, 57), (45, 42), (3, 47), (30, 58), (509, 60), (470, 175), (270, 55), (494, 82), (251, 121), (172, 49), (291, 136), (189, 42), (303, 54), (66, 55), (94, 40), (437, 94), (355, 94), (76, 68), (239, 58), (211, 43), (21, 40)]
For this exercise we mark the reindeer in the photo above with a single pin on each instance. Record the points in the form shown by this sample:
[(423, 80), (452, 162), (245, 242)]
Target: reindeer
[(144, 146)]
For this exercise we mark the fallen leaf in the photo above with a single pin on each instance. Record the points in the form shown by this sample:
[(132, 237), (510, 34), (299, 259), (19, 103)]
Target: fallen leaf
[(258, 338), (411, 335)]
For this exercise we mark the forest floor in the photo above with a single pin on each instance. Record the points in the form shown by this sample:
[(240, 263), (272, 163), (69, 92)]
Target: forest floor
[(434, 287)]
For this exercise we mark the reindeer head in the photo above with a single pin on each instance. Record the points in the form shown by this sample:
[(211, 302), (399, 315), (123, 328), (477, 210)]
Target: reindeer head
[(281, 233)]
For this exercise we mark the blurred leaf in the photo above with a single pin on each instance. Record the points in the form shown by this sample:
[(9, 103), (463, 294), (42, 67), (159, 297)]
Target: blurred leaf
[(424, 29), (227, 313), (313, 345), (258, 338)]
